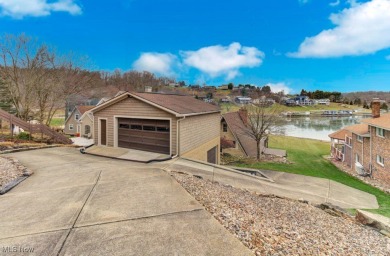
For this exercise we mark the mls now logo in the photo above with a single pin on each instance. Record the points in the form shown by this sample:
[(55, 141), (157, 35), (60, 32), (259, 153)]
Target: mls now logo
[(9, 249)]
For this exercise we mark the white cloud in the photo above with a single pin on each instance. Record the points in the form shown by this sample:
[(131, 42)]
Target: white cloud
[(159, 63), (36, 8), (336, 3), (278, 87), (362, 29), (225, 61)]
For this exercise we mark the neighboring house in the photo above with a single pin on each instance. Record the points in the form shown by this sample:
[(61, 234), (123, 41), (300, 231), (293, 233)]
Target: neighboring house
[(370, 145), (325, 102), (235, 138), (263, 101), (86, 124), (163, 123), (303, 100), (72, 123), (243, 100)]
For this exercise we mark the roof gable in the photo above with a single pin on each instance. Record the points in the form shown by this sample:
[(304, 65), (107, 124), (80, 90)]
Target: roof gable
[(382, 122), (178, 105)]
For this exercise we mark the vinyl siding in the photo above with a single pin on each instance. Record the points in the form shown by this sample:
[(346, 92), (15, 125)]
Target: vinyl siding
[(133, 108), (72, 120)]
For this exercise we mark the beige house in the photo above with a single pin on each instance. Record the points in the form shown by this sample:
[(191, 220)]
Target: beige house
[(72, 123), (236, 139), (162, 123), (86, 125)]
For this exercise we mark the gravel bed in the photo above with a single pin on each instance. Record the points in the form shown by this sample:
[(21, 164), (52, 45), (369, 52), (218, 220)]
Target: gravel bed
[(277, 226), (10, 169)]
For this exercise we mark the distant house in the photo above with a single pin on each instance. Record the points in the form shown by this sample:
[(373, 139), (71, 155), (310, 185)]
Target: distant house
[(86, 125), (235, 138), (303, 100), (325, 102), (263, 101), (243, 100), (366, 146), (225, 100), (72, 123), (223, 87)]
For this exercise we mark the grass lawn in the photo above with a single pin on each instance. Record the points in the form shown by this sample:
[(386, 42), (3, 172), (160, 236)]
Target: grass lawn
[(57, 121), (307, 157)]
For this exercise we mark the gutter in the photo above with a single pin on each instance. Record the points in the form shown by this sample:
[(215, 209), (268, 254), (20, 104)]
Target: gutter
[(178, 137)]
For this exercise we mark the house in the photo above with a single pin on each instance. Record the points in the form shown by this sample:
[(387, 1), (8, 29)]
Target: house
[(243, 100), (171, 124), (235, 138), (325, 102), (72, 123), (263, 101), (303, 100), (370, 145), (86, 125)]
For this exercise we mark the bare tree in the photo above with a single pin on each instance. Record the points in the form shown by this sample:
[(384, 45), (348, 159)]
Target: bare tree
[(37, 79), (261, 120)]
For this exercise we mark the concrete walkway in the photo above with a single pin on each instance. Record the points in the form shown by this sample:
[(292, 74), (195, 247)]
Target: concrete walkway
[(312, 189), (78, 204), (126, 154)]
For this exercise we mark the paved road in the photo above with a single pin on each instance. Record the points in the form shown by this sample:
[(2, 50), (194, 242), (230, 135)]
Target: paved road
[(78, 204)]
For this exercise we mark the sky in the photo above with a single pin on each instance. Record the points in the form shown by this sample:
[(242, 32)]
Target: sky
[(337, 45)]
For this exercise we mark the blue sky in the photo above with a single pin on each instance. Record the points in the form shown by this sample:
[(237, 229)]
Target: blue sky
[(339, 45)]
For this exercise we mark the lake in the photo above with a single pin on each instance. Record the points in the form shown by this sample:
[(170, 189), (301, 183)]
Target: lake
[(314, 127)]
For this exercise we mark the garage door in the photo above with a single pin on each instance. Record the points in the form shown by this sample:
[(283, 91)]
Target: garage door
[(144, 134)]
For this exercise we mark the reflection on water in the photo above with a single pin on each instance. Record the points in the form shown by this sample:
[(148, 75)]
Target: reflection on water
[(314, 127)]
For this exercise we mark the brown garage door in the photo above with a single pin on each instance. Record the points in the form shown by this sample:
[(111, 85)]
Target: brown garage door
[(144, 134)]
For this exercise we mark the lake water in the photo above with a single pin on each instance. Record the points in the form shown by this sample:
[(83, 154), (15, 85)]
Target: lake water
[(314, 127)]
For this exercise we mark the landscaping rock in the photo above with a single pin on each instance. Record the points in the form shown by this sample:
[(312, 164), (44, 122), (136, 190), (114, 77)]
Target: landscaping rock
[(279, 226), (11, 173)]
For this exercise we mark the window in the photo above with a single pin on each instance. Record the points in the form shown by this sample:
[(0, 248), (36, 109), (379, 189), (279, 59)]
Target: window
[(124, 126), (359, 138), (76, 117), (87, 129), (149, 128), (70, 126), (380, 132), (162, 129), (357, 158), (380, 160), (136, 127), (224, 125)]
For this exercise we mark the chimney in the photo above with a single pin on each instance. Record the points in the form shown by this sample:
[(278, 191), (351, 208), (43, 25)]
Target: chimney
[(376, 108), (148, 88), (243, 112)]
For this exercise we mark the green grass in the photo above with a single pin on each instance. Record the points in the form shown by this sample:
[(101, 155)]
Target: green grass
[(57, 121), (308, 159)]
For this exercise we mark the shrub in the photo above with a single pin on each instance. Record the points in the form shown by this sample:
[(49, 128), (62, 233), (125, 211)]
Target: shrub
[(23, 136)]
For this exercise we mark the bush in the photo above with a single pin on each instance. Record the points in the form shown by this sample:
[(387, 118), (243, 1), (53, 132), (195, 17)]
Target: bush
[(23, 136)]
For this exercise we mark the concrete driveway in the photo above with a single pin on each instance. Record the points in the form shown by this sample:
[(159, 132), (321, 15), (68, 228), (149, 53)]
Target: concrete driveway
[(78, 204)]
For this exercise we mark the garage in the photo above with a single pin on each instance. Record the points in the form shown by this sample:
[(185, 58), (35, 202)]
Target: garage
[(144, 134)]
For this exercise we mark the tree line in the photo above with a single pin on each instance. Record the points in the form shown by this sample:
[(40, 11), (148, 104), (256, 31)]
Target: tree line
[(36, 81), (318, 94)]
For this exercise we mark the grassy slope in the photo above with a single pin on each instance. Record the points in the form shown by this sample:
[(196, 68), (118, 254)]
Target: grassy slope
[(307, 157)]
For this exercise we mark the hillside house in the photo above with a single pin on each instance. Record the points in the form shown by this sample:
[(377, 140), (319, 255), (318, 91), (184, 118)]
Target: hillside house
[(366, 146), (235, 138), (243, 100)]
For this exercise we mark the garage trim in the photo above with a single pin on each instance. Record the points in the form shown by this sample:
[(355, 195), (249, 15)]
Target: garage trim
[(99, 131), (142, 117)]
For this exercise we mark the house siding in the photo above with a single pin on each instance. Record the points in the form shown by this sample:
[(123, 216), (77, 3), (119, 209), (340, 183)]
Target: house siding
[(363, 150), (84, 122), (198, 134), (72, 120), (133, 108), (380, 146)]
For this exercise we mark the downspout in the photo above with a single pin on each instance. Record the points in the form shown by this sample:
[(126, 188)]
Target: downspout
[(178, 137), (370, 151)]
